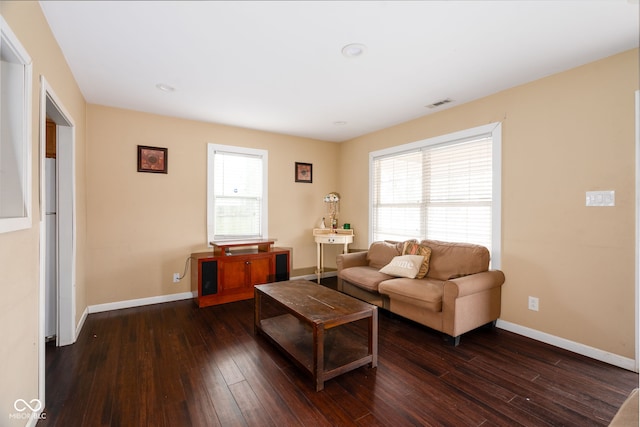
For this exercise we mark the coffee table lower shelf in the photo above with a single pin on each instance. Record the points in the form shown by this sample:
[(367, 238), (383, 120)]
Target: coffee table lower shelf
[(342, 349)]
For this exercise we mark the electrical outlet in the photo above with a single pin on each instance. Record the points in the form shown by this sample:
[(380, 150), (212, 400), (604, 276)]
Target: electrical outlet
[(176, 277), (533, 303)]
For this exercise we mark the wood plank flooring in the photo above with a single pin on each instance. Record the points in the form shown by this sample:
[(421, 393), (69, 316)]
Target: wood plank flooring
[(175, 364)]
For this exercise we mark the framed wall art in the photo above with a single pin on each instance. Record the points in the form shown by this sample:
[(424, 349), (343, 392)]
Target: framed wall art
[(152, 159), (304, 172)]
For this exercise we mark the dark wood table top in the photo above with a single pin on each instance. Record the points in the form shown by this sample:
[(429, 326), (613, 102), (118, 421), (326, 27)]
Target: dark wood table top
[(314, 302)]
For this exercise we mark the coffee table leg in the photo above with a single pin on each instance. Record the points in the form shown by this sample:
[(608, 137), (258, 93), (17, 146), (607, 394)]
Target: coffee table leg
[(318, 356), (257, 305)]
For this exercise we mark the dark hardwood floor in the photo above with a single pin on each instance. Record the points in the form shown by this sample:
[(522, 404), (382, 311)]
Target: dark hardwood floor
[(175, 364)]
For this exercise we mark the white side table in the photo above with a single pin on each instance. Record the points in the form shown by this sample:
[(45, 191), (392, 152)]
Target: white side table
[(327, 236)]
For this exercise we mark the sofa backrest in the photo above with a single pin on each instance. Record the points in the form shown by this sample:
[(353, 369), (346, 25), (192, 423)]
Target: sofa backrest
[(450, 260), (381, 253)]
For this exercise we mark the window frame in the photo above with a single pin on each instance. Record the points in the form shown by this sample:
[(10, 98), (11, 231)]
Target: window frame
[(9, 40), (264, 155), (493, 130)]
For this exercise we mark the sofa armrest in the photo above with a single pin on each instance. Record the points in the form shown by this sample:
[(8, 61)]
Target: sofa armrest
[(353, 259), (471, 301), (474, 283)]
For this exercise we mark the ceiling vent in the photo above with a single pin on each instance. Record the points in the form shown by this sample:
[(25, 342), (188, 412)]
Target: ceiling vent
[(440, 103)]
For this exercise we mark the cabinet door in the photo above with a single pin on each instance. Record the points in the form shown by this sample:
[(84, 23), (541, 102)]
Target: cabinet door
[(233, 274), (261, 270)]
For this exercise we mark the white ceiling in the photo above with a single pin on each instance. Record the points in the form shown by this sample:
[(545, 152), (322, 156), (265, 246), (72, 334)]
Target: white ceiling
[(277, 66)]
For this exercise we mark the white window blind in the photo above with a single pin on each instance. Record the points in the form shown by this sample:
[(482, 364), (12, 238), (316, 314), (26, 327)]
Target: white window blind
[(439, 191), (236, 194), (458, 192)]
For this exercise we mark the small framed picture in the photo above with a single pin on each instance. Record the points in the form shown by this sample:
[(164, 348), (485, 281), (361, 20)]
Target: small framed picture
[(152, 159), (304, 172)]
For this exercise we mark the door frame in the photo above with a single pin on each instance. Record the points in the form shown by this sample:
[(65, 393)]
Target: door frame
[(637, 257), (66, 228)]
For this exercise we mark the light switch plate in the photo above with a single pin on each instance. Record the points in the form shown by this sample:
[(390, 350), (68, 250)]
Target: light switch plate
[(601, 198)]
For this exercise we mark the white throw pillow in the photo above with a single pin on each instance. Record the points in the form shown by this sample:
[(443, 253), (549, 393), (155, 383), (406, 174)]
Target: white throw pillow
[(403, 266)]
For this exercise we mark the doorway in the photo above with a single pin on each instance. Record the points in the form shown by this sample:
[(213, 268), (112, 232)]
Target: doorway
[(57, 310)]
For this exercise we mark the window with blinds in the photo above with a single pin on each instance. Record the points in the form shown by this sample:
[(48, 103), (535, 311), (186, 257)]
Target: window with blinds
[(236, 193), (441, 189)]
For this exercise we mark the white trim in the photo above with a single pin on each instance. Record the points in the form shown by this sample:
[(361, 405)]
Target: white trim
[(492, 129), (264, 154), (441, 139), (109, 306), (71, 331), (34, 418), (24, 222), (83, 318), (42, 255), (585, 350), (496, 212), (637, 257), (99, 308), (66, 329)]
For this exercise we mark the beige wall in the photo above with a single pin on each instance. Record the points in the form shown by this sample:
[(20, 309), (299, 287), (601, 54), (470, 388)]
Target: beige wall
[(142, 226), (562, 136), (19, 250)]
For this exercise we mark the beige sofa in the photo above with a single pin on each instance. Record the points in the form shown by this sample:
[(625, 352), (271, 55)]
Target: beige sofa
[(628, 415), (459, 292)]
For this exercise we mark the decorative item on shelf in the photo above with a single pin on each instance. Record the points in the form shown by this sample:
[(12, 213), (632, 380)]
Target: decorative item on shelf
[(332, 203), (322, 224)]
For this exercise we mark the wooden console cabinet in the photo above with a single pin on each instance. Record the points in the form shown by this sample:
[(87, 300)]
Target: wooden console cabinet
[(229, 272)]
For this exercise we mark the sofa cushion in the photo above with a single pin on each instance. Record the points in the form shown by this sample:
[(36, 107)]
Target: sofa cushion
[(411, 247), (451, 260), (403, 266), (364, 277), (425, 293), (381, 253)]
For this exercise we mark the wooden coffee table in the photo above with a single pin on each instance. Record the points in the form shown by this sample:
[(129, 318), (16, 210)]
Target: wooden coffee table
[(313, 325)]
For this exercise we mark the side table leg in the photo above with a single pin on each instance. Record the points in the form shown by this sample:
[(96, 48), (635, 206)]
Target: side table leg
[(318, 261)]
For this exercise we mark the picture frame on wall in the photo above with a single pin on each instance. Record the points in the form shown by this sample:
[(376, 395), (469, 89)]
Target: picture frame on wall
[(152, 159), (304, 172)]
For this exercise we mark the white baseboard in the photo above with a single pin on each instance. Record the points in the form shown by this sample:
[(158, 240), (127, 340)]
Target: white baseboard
[(85, 313), (98, 308), (139, 302), (585, 350)]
